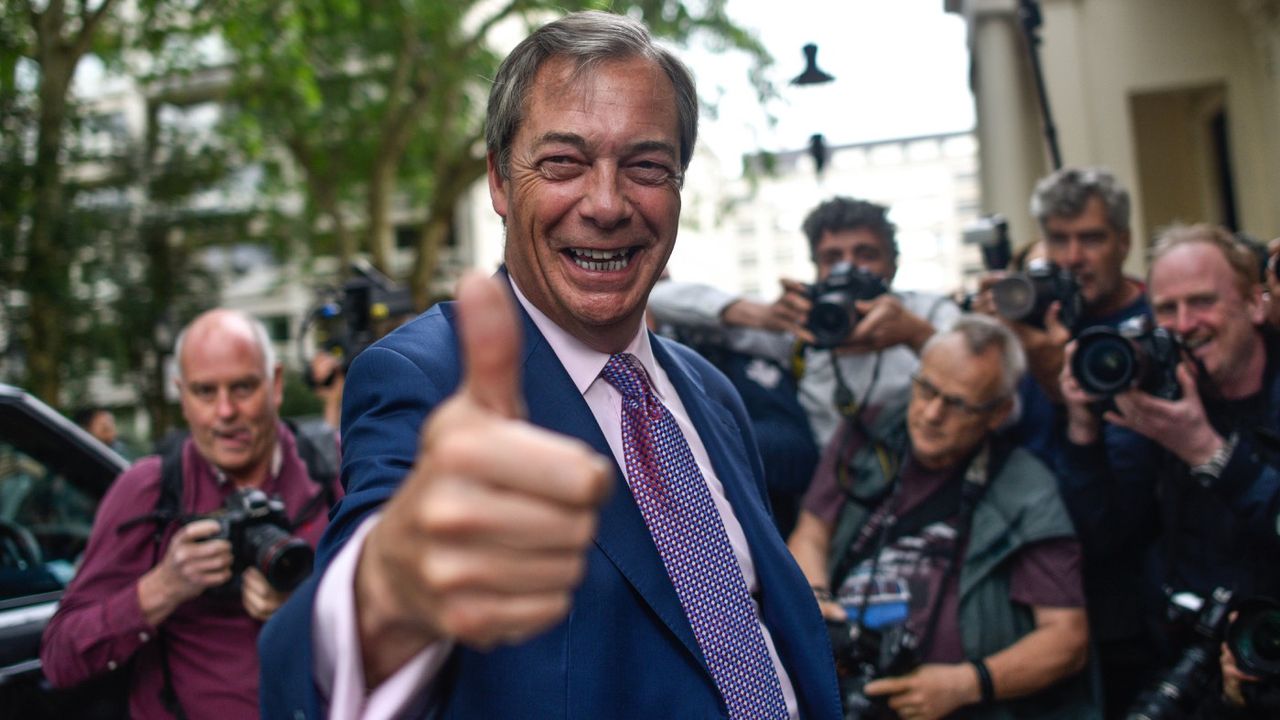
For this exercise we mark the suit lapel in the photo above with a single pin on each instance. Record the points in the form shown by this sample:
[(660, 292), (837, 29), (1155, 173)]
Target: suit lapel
[(555, 403)]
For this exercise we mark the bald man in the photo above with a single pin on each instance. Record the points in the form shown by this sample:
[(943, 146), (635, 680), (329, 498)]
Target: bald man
[(164, 594)]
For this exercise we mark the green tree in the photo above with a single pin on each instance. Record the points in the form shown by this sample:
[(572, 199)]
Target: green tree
[(377, 100)]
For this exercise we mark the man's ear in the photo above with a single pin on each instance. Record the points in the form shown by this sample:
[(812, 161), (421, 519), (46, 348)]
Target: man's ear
[(277, 385), (497, 185), (1125, 244)]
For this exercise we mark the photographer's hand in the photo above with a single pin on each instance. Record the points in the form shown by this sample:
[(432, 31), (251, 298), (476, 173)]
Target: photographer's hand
[(1083, 425), (485, 540), (886, 323), (260, 600), (191, 564), (930, 691), (1180, 426)]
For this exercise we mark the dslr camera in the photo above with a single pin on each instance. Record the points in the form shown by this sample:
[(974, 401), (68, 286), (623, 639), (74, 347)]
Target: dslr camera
[(261, 536), (1253, 637), (344, 321), (1109, 361), (862, 655), (834, 315), (1025, 297)]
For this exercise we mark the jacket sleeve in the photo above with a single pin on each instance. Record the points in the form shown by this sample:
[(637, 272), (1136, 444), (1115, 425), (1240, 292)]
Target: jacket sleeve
[(1109, 489), (99, 623), (1250, 485)]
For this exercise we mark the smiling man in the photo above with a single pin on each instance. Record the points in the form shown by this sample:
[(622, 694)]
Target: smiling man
[(142, 591), (551, 512), (1213, 484)]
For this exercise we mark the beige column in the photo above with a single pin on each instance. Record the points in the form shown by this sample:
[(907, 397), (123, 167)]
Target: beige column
[(1012, 150)]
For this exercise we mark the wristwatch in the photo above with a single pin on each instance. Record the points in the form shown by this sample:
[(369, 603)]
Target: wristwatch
[(1206, 474)]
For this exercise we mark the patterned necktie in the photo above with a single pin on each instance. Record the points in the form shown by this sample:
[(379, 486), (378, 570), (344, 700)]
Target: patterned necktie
[(676, 504)]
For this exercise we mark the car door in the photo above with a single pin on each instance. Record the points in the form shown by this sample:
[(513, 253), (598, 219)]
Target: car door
[(52, 476)]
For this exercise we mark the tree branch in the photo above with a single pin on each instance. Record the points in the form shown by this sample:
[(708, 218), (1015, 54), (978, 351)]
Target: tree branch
[(89, 25)]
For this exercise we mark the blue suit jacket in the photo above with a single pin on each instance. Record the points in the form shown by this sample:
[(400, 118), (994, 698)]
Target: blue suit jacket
[(626, 649)]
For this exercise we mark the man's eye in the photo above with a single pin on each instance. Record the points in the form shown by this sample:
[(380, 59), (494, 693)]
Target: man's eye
[(649, 173), (560, 167)]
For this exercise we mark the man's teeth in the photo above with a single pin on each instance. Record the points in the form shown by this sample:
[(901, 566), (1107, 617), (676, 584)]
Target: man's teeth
[(600, 260)]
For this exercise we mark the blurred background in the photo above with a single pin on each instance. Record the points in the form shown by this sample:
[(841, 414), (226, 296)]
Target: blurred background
[(320, 163)]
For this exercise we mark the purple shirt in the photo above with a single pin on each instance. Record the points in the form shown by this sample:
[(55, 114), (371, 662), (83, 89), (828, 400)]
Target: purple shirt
[(909, 576), (211, 641)]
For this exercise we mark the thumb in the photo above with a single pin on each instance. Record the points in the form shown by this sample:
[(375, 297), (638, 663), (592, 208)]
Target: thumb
[(491, 345)]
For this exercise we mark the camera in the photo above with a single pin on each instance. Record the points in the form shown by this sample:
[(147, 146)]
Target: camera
[(834, 315), (1108, 360), (1025, 297), (1253, 637), (349, 319), (862, 655), (260, 536), (991, 234)]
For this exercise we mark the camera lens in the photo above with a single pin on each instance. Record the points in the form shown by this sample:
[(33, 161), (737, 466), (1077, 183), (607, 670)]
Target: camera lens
[(1254, 639), (831, 319), (1014, 297), (285, 560), (1105, 362)]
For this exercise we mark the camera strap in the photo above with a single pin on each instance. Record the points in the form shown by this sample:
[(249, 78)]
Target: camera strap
[(952, 500)]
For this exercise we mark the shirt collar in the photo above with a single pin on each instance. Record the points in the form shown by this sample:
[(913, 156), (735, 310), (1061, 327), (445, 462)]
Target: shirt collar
[(581, 362)]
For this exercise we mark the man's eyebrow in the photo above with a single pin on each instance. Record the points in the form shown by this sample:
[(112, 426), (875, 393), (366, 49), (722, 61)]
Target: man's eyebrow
[(580, 143), (565, 138)]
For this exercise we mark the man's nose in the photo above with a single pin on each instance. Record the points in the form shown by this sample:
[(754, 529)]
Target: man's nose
[(604, 201), (224, 406), (1074, 256), (1185, 321)]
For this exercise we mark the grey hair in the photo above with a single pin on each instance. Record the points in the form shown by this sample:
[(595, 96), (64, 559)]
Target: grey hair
[(588, 39), (1066, 192), (261, 338), (981, 332)]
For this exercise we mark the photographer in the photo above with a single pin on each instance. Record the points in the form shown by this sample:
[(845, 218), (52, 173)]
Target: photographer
[(1083, 215), (848, 239), (925, 517), (1213, 476), (180, 603)]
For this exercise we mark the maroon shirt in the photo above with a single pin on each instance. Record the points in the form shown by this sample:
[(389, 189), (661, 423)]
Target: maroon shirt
[(912, 568), (211, 642)]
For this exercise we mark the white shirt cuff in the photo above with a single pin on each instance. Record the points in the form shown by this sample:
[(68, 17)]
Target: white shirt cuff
[(339, 667)]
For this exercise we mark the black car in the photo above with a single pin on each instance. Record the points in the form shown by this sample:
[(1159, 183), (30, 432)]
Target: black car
[(52, 476)]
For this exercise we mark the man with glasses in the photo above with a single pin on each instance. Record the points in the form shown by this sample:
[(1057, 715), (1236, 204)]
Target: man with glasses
[(920, 519)]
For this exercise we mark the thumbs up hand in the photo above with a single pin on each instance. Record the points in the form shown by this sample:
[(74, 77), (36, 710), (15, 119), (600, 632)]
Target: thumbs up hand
[(485, 540)]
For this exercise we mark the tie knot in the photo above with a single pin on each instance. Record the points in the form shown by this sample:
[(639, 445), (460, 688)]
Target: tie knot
[(627, 375)]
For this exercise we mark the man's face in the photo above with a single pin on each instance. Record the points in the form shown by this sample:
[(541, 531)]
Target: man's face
[(228, 399), (593, 201), (859, 247), (1091, 249), (955, 402), (103, 427), (1194, 292)]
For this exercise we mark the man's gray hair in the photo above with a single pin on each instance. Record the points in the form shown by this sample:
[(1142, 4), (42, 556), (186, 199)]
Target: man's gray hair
[(1065, 193), (588, 39), (981, 332), (261, 338)]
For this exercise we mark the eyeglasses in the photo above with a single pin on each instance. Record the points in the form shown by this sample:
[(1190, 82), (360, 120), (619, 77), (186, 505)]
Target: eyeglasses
[(927, 391)]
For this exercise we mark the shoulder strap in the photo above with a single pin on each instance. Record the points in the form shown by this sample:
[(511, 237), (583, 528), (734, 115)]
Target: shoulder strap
[(168, 508)]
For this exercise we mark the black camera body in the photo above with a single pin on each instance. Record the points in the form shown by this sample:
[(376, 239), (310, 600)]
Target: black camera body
[(1026, 297), (1253, 637), (834, 315), (261, 536), (1108, 361), (863, 655), (346, 320)]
